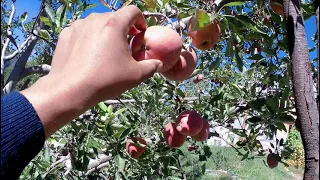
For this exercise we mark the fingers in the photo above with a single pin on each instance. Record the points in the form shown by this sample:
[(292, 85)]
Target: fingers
[(133, 31), (149, 67), (131, 16)]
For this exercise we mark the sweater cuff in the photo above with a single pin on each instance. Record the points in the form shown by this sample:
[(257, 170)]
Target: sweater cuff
[(22, 134)]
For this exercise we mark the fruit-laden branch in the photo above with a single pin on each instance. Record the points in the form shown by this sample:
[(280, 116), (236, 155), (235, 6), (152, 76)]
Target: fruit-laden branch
[(21, 62), (39, 69), (218, 4), (6, 44), (307, 109)]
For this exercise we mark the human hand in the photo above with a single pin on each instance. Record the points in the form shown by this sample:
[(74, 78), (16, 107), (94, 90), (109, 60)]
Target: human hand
[(91, 63)]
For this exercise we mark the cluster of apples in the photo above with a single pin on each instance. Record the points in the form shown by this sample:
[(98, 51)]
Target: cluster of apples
[(189, 123), (165, 44)]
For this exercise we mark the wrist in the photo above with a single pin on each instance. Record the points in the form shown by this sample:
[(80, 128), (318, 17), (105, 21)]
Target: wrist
[(55, 103)]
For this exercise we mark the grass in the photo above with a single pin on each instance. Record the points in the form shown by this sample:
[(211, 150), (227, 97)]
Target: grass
[(227, 160)]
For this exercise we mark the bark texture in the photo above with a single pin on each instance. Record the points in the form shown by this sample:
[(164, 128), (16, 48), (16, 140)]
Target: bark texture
[(303, 86)]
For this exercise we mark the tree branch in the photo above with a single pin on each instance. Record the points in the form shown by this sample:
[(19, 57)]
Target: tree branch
[(22, 47), (5, 46), (21, 62), (100, 163), (39, 69)]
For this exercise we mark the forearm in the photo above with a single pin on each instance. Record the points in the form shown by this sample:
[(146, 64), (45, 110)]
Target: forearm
[(56, 105), (22, 134)]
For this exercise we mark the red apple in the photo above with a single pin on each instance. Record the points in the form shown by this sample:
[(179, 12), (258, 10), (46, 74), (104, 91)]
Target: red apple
[(135, 150), (172, 137), (277, 7), (157, 42), (198, 78), (207, 37), (185, 66), (272, 160), (204, 133), (189, 123)]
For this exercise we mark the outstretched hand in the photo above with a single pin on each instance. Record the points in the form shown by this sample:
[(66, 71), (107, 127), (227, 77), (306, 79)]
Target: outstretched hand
[(91, 63)]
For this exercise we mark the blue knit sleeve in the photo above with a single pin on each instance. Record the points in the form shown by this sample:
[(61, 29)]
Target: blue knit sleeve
[(22, 134)]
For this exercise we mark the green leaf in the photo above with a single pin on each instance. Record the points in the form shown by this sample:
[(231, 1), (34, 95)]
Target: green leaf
[(180, 93), (271, 105), (239, 60), (229, 50), (215, 64), (150, 4), (125, 133), (164, 2), (24, 17), (199, 20), (256, 57), (50, 12), (281, 126), (102, 106), (110, 109), (45, 34), (120, 111), (233, 4), (46, 21), (120, 163), (47, 154), (89, 6), (59, 15), (254, 119), (203, 168), (173, 168), (174, 178)]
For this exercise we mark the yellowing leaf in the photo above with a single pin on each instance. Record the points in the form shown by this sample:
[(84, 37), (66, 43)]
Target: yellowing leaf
[(150, 4)]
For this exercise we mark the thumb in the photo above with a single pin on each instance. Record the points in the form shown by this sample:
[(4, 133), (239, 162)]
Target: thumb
[(149, 67)]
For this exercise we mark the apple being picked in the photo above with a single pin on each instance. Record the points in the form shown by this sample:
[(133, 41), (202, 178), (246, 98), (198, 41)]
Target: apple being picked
[(185, 66), (157, 42)]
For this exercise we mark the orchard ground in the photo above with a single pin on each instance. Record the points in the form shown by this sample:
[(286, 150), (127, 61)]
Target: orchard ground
[(226, 164)]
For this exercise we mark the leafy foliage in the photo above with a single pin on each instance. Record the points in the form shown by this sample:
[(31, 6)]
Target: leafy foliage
[(247, 81), (294, 152)]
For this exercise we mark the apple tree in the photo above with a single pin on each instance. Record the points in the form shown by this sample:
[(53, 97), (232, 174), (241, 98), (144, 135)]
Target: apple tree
[(227, 61)]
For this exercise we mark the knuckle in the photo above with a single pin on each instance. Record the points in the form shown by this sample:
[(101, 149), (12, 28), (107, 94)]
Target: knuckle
[(66, 32), (77, 23), (111, 20)]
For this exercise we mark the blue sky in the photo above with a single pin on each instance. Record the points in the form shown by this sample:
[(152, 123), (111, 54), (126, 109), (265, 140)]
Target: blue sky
[(32, 7)]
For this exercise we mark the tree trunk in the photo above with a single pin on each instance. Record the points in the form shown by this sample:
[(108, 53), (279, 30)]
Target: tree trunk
[(303, 86)]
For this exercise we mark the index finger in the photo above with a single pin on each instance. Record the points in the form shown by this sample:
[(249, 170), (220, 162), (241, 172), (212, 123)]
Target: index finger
[(131, 16)]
